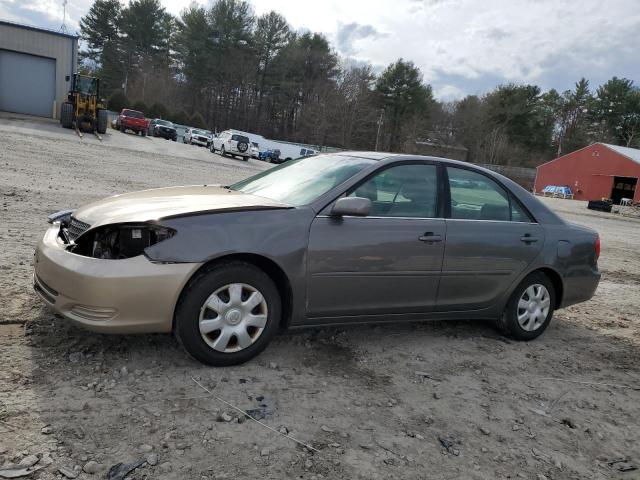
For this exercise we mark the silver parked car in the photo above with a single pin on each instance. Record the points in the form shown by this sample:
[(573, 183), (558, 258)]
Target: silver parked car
[(328, 239), (197, 136)]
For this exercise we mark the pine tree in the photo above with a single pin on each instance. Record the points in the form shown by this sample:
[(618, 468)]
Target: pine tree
[(405, 100)]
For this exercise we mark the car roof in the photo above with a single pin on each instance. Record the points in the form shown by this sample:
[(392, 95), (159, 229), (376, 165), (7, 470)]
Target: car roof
[(379, 156)]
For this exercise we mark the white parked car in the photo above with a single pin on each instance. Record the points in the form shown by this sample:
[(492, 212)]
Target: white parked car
[(255, 150), (196, 136), (234, 144)]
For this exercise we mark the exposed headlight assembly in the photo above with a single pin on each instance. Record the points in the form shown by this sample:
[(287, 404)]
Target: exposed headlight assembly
[(121, 241)]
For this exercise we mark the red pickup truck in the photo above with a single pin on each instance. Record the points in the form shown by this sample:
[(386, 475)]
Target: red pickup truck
[(132, 120)]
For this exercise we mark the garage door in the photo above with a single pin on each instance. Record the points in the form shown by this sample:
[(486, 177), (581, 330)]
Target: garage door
[(27, 83)]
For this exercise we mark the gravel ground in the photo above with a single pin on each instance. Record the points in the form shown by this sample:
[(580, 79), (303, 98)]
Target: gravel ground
[(434, 400)]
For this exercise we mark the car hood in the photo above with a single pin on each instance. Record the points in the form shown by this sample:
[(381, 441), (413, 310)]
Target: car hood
[(159, 203)]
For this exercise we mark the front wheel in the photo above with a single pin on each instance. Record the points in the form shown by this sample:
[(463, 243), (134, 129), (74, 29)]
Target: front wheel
[(228, 314), (530, 308)]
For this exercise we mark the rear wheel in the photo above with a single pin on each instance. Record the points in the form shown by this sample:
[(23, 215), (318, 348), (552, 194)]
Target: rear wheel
[(529, 309), (143, 133), (66, 115), (102, 121), (228, 314)]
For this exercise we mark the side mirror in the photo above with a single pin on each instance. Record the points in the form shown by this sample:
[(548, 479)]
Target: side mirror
[(351, 206)]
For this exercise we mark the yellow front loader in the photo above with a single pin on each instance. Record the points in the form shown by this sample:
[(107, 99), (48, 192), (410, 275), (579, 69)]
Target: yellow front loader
[(84, 110)]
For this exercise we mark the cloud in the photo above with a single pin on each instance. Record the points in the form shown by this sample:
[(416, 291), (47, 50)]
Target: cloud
[(447, 93), (460, 45), (349, 34)]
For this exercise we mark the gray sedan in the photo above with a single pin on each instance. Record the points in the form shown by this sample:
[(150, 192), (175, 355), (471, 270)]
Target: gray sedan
[(330, 239)]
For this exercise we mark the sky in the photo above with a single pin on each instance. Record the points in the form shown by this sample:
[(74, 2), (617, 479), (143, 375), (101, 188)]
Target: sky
[(461, 46)]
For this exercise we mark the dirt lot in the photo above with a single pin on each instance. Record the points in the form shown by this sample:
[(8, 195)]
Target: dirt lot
[(482, 407)]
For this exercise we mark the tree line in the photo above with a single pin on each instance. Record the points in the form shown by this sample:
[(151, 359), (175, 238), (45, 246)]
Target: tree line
[(222, 66)]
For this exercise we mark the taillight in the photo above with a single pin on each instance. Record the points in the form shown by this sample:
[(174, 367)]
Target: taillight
[(597, 247)]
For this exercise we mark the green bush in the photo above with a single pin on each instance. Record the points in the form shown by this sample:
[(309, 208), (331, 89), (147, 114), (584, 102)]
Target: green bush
[(117, 101), (180, 117), (141, 107), (197, 120), (158, 110)]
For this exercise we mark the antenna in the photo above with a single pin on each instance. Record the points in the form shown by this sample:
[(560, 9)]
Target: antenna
[(63, 27)]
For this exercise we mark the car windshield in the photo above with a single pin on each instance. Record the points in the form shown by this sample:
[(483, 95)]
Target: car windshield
[(300, 182), (132, 113), (164, 122)]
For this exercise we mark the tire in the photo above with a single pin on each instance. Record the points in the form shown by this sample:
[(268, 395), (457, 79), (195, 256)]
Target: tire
[(246, 159), (143, 133), (207, 285), (66, 115), (122, 128), (511, 326), (223, 151), (102, 122)]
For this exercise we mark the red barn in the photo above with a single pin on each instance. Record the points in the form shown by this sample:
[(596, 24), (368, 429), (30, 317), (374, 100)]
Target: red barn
[(594, 172)]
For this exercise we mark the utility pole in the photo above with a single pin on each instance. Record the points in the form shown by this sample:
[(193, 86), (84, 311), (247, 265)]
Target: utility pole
[(380, 121)]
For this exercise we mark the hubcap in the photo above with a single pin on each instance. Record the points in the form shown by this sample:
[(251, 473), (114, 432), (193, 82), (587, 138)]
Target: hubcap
[(233, 317), (533, 307)]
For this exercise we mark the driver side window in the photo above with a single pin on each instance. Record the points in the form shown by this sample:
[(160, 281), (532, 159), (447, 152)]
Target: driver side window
[(402, 191)]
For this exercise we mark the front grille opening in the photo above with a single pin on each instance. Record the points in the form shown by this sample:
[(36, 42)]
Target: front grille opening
[(93, 313), (44, 290), (46, 287)]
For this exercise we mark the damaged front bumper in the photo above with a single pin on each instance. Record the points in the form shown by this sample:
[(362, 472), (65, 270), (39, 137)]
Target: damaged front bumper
[(132, 295)]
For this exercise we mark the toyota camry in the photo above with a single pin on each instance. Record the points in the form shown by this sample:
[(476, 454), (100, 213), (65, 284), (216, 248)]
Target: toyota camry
[(330, 239)]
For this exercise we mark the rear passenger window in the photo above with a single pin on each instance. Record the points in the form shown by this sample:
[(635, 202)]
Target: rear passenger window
[(476, 197), (519, 214)]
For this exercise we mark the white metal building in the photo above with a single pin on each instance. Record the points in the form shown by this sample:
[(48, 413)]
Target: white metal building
[(36, 66)]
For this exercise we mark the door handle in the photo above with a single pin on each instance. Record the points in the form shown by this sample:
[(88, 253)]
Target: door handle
[(527, 238), (429, 237)]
